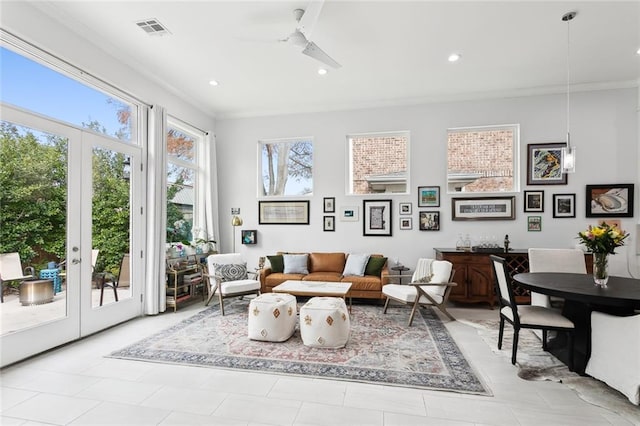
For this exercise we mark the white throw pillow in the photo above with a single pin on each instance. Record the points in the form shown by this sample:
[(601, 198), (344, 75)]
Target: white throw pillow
[(295, 263), (356, 264)]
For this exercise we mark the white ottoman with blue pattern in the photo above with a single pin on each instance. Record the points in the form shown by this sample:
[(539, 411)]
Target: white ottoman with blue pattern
[(325, 323), (272, 317)]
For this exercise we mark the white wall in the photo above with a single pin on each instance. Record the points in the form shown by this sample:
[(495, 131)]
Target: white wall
[(604, 127)]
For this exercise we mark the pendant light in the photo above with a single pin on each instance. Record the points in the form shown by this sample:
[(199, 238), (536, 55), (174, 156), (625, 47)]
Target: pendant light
[(569, 152)]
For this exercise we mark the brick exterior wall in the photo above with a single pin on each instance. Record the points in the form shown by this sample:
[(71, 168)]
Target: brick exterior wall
[(487, 152), (373, 156)]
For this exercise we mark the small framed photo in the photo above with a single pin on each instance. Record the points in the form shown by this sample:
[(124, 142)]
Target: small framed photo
[(329, 205), (544, 164), (429, 221), (428, 196), (534, 223), (610, 200), (249, 236), (534, 201), (377, 218), (564, 205), (349, 214), (405, 223), (329, 223), (405, 208)]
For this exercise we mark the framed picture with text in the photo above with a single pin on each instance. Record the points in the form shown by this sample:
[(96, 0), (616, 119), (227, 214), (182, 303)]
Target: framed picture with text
[(377, 218), (483, 208)]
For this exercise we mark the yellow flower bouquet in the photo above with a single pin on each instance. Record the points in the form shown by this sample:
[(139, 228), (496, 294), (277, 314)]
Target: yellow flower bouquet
[(602, 241)]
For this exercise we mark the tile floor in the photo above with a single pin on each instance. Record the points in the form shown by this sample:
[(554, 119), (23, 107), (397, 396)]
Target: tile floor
[(77, 385)]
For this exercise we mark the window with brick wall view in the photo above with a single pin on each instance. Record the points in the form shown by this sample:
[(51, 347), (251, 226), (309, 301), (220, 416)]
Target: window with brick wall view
[(378, 163), (482, 159)]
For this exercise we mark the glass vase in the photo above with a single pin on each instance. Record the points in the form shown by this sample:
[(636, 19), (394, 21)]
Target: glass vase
[(601, 269)]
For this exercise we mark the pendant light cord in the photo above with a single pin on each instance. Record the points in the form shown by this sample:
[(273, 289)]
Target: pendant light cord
[(568, 80)]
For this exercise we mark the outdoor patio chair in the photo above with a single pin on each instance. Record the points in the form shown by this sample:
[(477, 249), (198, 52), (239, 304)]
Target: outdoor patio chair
[(109, 280), (526, 316), (227, 275), (430, 284), (11, 270)]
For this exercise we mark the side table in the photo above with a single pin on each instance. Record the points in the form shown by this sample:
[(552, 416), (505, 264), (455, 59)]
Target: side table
[(400, 270)]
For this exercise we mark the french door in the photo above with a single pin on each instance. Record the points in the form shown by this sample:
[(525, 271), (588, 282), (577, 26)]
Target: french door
[(94, 194)]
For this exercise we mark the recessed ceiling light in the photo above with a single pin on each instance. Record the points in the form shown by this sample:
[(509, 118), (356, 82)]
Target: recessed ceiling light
[(322, 71), (454, 57), (213, 83)]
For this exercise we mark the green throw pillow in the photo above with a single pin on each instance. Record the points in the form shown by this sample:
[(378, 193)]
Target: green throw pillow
[(277, 263), (375, 265)]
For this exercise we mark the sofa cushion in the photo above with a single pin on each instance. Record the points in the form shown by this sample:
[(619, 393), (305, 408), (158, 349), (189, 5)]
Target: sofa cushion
[(356, 264), (375, 265), (366, 283), (273, 280), (277, 263), (326, 262), (323, 276), (295, 263)]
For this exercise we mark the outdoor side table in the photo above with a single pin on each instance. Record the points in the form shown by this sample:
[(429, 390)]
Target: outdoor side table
[(54, 276), (36, 292)]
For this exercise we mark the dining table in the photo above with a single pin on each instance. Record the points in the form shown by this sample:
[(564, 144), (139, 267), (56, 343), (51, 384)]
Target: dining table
[(621, 297)]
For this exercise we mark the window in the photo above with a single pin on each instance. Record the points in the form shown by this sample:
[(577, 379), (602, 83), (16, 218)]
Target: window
[(482, 159), (183, 197), (286, 167), (378, 163)]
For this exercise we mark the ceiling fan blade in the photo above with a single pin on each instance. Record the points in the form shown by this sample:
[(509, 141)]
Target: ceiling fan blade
[(310, 17), (312, 50)]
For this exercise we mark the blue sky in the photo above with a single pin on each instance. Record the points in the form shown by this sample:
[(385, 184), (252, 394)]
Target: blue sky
[(32, 86)]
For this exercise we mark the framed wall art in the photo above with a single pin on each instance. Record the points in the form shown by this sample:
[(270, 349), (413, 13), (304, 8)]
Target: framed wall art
[(405, 223), (483, 208), (564, 205), (404, 208), (249, 236), (329, 223), (349, 214), (377, 218), (428, 196), (283, 212), (534, 223), (610, 200), (534, 201), (329, 204), (544, 164), (429, 221)]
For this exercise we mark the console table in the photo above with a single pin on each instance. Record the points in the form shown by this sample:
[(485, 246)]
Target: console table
[(474, 273)]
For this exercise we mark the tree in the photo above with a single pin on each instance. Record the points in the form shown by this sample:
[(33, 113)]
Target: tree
[(285, 160)]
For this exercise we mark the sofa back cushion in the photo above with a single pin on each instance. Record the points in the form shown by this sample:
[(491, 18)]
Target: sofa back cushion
[(327, 262)]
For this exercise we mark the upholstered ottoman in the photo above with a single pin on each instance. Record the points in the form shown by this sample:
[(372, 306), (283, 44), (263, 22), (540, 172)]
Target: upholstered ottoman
[(272, 317), (324, 322)]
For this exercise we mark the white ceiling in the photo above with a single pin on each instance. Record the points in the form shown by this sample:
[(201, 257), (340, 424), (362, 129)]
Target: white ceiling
[(392, 52)]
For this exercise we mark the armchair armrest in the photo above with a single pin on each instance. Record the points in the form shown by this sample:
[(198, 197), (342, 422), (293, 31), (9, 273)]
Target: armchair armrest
[(434, 284)]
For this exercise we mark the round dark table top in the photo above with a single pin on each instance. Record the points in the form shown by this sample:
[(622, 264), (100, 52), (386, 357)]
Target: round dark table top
[(620, 291)]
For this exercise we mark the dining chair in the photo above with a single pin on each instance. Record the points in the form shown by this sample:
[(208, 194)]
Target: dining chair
[(11, 270), (526, 316), (615, 353), (227, 275), (430, 284), (554, 260)]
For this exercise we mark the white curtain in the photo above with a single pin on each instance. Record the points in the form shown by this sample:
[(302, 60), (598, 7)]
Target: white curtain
[(211, 188), (155, 295)]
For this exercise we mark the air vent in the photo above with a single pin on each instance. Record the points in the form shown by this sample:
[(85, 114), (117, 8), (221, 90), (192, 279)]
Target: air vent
[(153, 27)]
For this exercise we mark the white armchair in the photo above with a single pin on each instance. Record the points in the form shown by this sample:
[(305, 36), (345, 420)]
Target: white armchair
[(554, 260), (227, 275), (430, 285), (11, 270), (615, 353)]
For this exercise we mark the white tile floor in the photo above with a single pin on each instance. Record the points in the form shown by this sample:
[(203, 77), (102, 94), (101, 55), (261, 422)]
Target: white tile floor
[(77, 385)]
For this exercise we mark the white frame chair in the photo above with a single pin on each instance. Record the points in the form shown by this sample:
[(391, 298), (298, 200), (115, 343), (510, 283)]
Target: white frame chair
[(420, 293), (227, 289), (11, 270), (526, 316), (554, 260)]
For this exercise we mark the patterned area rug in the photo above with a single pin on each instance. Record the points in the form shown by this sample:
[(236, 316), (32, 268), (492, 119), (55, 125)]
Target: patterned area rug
[(535, 364), (381, 349)]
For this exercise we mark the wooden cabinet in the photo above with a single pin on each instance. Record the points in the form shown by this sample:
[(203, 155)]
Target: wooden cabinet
[(474, 273), (184, 279)]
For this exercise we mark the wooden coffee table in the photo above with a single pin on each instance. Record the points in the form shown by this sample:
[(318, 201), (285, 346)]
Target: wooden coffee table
[(315, 288)]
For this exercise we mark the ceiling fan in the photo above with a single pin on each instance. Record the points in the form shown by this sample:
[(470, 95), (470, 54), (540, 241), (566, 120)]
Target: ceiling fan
[(307, 19)]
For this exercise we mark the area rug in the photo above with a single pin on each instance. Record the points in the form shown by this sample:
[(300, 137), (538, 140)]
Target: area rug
[(381, 349), (535, 364)]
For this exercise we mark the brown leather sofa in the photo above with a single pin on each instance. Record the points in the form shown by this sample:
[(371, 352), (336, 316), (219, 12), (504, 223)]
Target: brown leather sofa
[(329, 267)]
